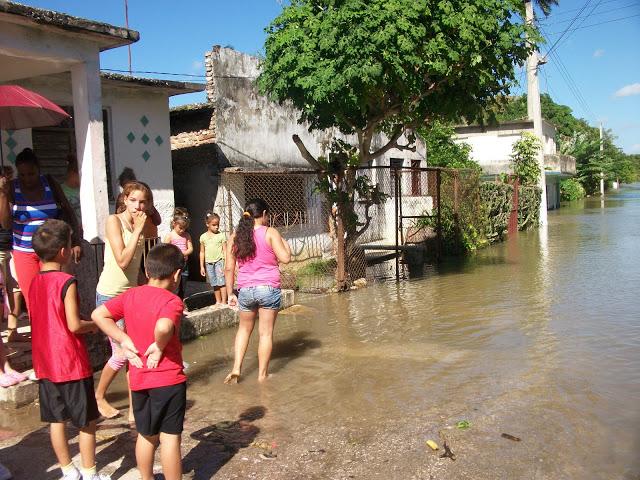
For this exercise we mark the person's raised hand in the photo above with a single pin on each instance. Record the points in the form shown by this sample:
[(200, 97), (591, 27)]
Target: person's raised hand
[(138, 221)]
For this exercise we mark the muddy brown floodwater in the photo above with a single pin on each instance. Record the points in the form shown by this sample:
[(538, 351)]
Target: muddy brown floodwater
[(537, 338)]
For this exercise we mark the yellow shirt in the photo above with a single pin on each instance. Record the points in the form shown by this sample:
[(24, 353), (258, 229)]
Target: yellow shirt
[(113, 279), (212, 246)]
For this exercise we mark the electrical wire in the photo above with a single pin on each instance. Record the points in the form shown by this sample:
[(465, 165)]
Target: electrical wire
[(568, 12), (601, 23), (558, 43), (566, 30), (637, 5)]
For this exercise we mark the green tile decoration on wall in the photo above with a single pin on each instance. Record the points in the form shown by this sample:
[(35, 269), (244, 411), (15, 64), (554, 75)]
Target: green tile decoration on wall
[(131, 137), (159, 140), (11, 143), (146, 156), (144, 138), (11, 157), (144, 120)]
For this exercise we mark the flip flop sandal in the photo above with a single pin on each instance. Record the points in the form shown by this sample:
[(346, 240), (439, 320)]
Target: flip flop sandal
[(7, 381), (20, 377)]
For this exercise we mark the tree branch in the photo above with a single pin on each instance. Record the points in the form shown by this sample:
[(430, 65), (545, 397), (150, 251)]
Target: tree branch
[(393, 143), (305, 153)]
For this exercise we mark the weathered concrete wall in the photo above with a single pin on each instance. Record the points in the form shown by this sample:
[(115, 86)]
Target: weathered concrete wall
[(254, 132)]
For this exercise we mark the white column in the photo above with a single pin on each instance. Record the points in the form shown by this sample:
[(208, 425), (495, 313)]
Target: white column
[(87, 112), (535, 113)]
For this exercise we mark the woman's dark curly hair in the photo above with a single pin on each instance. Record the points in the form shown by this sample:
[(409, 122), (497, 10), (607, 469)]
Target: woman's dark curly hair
[(244, 247), (27, 156)]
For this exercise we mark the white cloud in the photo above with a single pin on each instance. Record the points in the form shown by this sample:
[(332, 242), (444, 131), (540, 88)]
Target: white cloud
[(635, 148), (628, 90), (599, 53)]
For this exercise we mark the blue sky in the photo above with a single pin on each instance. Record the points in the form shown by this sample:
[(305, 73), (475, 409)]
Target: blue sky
[(601, 62)]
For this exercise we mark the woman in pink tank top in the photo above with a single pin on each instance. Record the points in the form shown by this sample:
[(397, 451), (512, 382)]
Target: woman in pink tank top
[(257, 249)]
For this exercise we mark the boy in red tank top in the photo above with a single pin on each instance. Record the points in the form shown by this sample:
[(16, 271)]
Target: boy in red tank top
[(60, 357), (156, 377)]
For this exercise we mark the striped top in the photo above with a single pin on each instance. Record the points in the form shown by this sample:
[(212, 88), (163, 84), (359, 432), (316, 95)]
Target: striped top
[(28, 215)]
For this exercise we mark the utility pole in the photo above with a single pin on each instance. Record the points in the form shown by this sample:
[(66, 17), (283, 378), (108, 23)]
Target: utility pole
[(601, 173), (126, 23), (534, 111)]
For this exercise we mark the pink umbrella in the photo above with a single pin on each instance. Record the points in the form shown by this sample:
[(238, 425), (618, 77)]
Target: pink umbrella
[(22, 108)]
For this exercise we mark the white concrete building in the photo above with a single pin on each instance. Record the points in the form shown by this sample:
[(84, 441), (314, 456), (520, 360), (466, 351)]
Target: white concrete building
[(492, 146), (117, 121)]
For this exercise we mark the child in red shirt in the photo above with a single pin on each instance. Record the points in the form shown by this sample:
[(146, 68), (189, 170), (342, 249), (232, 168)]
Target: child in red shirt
[(60, 357), (157, 380)]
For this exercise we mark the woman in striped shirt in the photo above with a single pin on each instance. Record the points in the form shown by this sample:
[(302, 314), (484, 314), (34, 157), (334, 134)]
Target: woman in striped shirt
[(25, 204)]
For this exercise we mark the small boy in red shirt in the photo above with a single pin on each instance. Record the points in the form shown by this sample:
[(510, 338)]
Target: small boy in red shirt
[(157, 380), (60, 357)]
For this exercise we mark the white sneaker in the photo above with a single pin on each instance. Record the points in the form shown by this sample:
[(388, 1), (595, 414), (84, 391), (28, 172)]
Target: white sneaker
[(72, 475)]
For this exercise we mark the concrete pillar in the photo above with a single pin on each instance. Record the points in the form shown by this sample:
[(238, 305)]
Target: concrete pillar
[(87, 112)]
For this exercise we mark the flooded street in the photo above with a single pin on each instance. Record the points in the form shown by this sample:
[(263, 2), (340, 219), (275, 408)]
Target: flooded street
[(537, 337)]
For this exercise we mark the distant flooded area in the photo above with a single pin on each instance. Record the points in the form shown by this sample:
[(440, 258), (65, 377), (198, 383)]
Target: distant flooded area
[(537, 338)]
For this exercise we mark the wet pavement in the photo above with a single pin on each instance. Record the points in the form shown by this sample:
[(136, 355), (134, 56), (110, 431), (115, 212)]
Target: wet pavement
[(538, 338)]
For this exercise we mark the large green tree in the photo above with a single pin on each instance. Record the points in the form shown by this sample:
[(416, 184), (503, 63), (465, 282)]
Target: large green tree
[(372, 66)]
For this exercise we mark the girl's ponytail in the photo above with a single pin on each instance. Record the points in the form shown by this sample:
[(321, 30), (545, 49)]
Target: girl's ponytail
[(244, 247)]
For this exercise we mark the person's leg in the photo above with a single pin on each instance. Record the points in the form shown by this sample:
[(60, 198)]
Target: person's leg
[(170, 456), (27, 267), (245, 327), (145, 449), (110, 370), (87, 444), (265, 344), (59, 444), (217, 295), (219, 278), (223, 294)]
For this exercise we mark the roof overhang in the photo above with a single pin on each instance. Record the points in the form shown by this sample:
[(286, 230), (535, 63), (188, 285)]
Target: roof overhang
[(169, 87), (105, 35)]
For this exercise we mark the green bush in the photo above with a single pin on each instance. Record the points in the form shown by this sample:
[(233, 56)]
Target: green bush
[(496, 199), (571, 189), (529, 199), (524, 159)]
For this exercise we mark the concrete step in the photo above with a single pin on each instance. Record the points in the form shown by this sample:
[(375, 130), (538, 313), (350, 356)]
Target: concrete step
[(19, 395)]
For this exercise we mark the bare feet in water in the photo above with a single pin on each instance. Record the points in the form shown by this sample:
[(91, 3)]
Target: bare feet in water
[(106, 410), (232, 378)]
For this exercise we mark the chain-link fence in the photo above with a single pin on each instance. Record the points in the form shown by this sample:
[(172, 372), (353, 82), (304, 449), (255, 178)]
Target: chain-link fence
[(403, 227)]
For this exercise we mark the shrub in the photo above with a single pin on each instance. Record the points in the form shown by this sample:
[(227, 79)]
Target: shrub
[(571, 189), (524, 159)]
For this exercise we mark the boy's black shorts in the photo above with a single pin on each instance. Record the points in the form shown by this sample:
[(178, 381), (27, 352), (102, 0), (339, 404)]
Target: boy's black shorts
[(74, 400), (160, 409)]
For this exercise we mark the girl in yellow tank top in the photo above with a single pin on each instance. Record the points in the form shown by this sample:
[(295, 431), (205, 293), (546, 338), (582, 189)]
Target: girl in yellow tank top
[(124, 247)]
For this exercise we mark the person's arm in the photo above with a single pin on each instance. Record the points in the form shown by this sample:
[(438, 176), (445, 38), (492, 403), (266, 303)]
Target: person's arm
[(279, 245), (72, 312), (5, 202), (189, 250), (105, 322), (121, 252), (162, 334), (229, 274), (69, 215), (203, 272)]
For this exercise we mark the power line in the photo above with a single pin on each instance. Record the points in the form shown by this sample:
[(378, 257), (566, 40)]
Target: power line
[(596, 14), (566, 30), (568, 12), (579, 24), (601, 23)]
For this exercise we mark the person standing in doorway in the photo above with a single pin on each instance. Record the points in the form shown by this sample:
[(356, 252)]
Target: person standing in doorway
[(256, 248)]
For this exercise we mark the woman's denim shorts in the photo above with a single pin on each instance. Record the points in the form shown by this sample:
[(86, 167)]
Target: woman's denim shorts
[(101, 299), (263, 296)]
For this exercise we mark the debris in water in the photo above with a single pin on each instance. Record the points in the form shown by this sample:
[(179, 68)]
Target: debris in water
[(433, 445), (510, 437), (320, 450), (267, 455), (448, 453), (463, 424)]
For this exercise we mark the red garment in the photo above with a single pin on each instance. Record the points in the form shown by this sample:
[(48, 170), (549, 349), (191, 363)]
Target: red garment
[(58, 354), (27, 268), (143, 307)]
